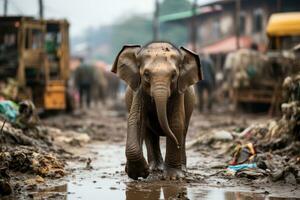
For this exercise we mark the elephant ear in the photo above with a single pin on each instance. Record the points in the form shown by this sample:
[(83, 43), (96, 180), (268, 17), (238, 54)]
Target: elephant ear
[(190, 70), (126, 67)]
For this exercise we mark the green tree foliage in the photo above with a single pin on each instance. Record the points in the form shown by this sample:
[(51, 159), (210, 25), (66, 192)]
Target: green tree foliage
[(134, 30), (175, 33)]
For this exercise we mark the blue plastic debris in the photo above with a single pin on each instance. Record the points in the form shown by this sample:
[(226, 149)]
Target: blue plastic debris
[(236, 168), (9, 110)]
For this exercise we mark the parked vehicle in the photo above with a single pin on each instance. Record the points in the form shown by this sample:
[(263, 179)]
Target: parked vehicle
[(35, 53)]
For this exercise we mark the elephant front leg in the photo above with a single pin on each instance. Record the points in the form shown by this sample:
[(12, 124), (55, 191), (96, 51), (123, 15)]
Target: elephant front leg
[(174, 156), (136, 165), (173, 160)]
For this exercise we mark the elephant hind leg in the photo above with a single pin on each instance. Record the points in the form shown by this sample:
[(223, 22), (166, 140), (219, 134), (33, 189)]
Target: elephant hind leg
[(155, 159)]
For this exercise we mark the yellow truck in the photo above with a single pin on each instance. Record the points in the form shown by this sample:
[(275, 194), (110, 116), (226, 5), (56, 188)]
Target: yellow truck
[(283, 30), (35, 53)]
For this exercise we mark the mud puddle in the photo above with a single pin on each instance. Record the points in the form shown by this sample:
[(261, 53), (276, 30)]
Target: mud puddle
[(104, 178)]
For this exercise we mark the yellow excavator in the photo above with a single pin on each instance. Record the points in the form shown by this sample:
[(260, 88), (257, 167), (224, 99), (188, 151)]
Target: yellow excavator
[(35, 54)]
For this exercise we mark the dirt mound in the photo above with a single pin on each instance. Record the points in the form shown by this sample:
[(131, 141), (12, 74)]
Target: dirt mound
[(27, 151)]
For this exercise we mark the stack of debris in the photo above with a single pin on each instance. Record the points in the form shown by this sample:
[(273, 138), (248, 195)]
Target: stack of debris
[(270, 149), (277, 142), (285, 133), (25, 146)]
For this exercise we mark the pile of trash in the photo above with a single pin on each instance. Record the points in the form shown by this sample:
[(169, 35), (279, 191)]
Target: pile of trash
[(285, 133), (268, 150), (272, 149), (27, 160), (26, 146)]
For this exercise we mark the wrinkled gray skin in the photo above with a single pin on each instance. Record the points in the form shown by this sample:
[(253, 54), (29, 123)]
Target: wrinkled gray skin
[(160, 101)]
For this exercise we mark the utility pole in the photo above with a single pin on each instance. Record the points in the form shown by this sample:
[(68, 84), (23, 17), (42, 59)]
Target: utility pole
[(194, 27), (5, 6), (237, 22), (156, 21), (41, 9), (279, 5)]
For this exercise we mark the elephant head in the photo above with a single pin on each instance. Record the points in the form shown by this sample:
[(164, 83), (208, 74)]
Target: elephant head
[(161, 70)]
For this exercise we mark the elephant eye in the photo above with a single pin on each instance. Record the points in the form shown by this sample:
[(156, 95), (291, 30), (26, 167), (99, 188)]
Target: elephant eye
[(147, 75)]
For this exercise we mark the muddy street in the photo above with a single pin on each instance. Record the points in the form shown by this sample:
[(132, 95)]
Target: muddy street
[(96, 167), (152, 99)]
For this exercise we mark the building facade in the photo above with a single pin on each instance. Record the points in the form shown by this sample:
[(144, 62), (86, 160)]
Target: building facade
[(218, 30)]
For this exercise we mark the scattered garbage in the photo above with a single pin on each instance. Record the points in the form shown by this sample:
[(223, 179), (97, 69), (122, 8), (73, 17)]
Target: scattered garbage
[(9, 110), (71, 137), (22, 115), (223, 135), (88, 164), (251, 173), (262, 150), (27, 160), (27, 117), (235, 168), (26, 147), (243, 153), (11, 89), (288, 174)]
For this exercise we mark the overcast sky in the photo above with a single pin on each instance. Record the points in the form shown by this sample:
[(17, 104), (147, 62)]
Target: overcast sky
[(82, 13)]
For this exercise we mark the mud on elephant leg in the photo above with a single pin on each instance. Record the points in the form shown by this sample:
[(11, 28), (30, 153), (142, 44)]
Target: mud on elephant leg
[(173, 161), (136, 165), (136, 169), (153, 151), (183, 155), (173, 167)]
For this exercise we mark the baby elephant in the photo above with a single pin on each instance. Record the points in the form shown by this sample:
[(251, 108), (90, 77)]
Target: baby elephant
[(160, 100)]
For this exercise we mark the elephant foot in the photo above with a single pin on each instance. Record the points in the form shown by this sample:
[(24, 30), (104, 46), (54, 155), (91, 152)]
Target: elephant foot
[(136, 169), (173, 174), (156, 166)]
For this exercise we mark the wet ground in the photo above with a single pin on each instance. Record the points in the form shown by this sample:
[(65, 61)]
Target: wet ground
[(104, 176)]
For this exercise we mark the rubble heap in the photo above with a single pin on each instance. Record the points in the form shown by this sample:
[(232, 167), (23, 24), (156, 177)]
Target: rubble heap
[(266, 151), (285, 133), (277, 143), (29, 151)]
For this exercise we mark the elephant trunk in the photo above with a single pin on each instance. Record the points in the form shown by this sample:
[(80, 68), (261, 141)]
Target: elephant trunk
[(161, 94)]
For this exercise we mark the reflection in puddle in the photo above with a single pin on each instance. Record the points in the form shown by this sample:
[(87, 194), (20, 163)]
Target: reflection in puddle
[(106, 181), (134, 191), (56, 192)]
